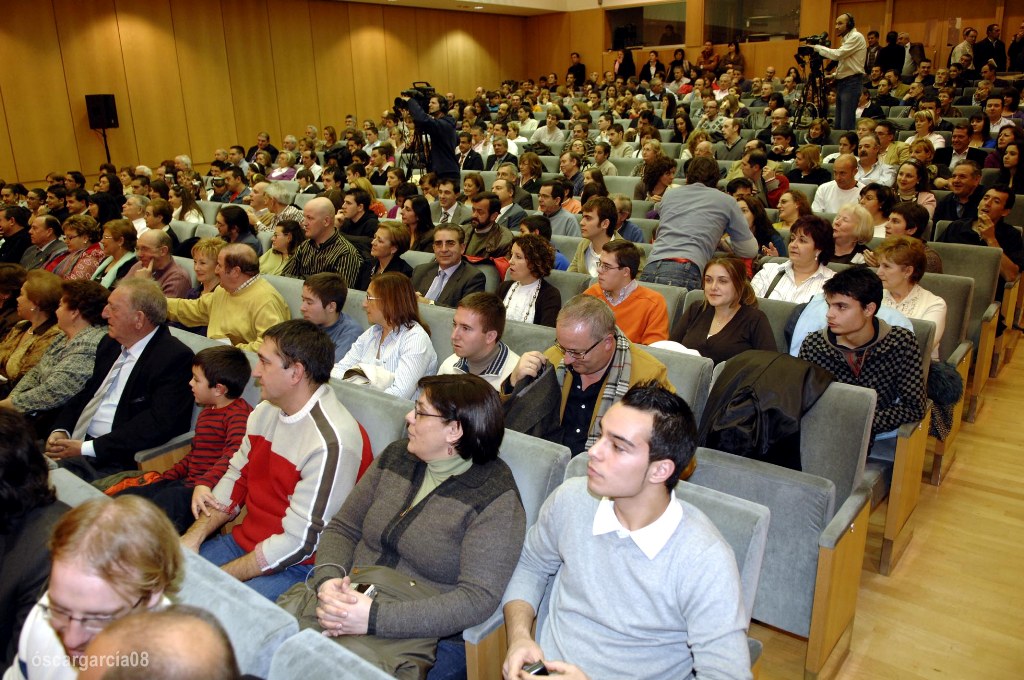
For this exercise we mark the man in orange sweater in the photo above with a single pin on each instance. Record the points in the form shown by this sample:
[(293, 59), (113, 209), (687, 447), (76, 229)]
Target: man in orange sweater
[(640, 312)]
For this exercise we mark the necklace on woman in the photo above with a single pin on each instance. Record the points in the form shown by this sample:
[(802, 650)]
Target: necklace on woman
[(521, 311), (717, 325)]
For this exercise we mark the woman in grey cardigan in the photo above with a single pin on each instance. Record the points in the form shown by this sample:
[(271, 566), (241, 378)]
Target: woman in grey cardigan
[(68, 361), (435, 526)]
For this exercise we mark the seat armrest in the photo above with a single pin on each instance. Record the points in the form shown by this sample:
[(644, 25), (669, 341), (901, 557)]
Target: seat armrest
[(990, 312), (477, 633), (843, 521), (958, 354), (168, 446)]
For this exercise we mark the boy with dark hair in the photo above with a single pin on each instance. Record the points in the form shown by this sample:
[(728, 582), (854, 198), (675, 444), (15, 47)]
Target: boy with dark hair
[(860, 349), (219, 376), (323, 298)]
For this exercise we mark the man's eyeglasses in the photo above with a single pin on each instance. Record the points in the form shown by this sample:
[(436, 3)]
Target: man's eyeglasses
[(59, 618), (605, 267), (578, 354)]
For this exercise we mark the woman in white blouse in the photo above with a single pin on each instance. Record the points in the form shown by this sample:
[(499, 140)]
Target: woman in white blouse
[(802, 277), (901, 264), (397, 343), (184, 203), (527, 295)]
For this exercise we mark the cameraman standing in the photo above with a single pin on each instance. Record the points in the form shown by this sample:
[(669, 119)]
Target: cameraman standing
[(850, 73), (441, 129)]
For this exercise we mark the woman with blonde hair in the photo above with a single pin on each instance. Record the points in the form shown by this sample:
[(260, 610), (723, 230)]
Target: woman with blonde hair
[(924, 125), (807, 167), (852, 228), (728, 322), (386, 248), (902, 263)]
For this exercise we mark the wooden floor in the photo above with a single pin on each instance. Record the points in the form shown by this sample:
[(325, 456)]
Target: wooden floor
[(954, 607)]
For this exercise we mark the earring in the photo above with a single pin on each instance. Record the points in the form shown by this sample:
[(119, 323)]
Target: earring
[(451, 450)]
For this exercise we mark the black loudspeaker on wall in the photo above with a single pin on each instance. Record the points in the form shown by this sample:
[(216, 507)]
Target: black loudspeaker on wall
[(102, 111)]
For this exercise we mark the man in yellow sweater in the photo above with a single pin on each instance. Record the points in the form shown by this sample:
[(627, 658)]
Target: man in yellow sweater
[(242, 307), (640, 312)]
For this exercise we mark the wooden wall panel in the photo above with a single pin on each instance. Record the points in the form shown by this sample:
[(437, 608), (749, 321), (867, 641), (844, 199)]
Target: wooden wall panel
[(590, 37), (332, 61), (926, 21), (250, 76), (432, 48), (8, 170), (366, 31), (553, 33), (400, 41), (151, 71), (203, 69), (472, 54), (291, 47), (93, 64), (512, 56), (35, 96)]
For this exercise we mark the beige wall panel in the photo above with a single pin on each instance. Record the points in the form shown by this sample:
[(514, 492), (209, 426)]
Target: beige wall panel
[(870, 16), (250, 76), (472, 52), (205, 85), (292, 50), (589, 31), (550, 33), (35, 98), (399, 53), (93, 64), (432, 48), (513, 47), (8, 170), (815, 17), (332, 59), (151, 70), (366, 30), (926, 21)]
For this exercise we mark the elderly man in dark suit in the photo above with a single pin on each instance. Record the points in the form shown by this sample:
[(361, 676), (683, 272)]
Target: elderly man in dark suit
[(138, 395), (449, 278)]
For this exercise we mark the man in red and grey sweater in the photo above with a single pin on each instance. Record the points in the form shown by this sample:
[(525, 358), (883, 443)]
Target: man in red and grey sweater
[(298, 462)]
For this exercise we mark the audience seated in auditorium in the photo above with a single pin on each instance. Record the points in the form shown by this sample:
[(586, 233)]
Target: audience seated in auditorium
[(323, 298), (324, 249)]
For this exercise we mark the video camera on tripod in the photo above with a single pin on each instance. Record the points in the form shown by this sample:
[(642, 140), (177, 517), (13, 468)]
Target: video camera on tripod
[(806, 50), (421, 91)]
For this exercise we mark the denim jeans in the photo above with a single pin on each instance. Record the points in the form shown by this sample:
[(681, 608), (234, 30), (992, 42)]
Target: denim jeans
[(451, 661), (222, 549), (847, 93), (670, 273)]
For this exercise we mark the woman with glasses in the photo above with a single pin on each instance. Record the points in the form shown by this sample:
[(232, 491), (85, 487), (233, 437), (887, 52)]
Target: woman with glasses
[(118, 243), (443, 512), (395, 351), (109, 558)]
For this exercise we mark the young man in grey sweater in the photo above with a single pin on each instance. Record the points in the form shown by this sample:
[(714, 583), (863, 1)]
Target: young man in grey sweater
[(645, 585)]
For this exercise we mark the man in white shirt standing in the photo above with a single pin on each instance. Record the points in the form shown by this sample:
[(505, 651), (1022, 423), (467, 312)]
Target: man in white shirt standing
[(850, 54)]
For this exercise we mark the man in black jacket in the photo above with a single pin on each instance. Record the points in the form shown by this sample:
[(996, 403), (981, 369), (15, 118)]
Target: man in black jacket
[(441, 129), (138, 396)]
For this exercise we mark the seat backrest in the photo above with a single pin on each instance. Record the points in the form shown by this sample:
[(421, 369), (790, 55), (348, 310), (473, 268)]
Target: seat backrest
[(957, 291), (621, 184), (354, 307), (834, 436), (209, 210), (415, 258), (777, 311), (924, 332), (255, 625), (188, 265), (689, 374), (566, 245), (979, 263), (673, 298), (207, 230), (625, 165), (183, 230), (525, 337), (491, 277), (291, 290), (381, 415), (743, 525), (802, 505), (538, 467), (311, 655), (569, 284), (197, 343), (72, 490), (648, 227), (439, 319), (807, 190)]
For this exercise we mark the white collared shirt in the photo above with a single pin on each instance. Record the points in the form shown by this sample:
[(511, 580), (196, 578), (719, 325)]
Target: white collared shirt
[(103, 422), (651, 538)]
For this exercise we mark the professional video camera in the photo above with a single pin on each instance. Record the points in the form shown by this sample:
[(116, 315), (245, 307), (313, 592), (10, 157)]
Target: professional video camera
[(806, 49), (421, 91)]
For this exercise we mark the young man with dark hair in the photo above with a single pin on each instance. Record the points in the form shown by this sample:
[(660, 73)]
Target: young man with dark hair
[(680, 610), (640, 312), (476, 340), (323, 298), (598, 220), (860, 349), (298, 461), (358, 223), (14, 228)]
